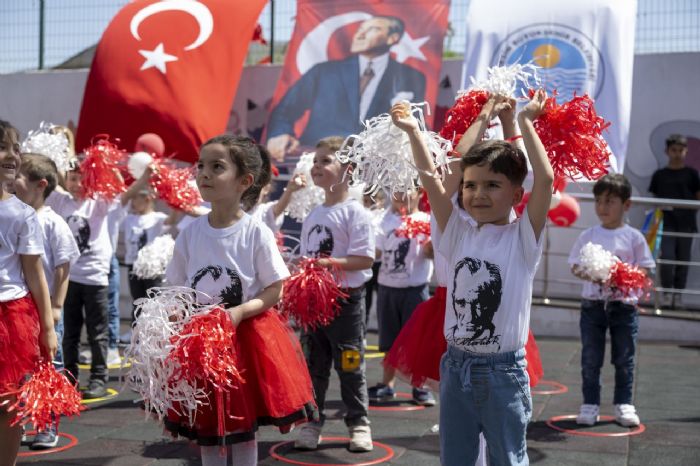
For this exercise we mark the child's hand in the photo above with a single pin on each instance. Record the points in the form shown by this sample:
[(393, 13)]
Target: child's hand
[(235, 314), (506, 110), (494, 106), (48, 342), (297, 182), (402, 117), (535, 107), (56, 311)]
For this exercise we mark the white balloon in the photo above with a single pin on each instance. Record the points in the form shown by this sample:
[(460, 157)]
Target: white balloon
[(137, 164)]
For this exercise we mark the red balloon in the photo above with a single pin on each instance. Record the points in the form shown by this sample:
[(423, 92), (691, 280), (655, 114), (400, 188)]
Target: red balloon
[(566, 212)]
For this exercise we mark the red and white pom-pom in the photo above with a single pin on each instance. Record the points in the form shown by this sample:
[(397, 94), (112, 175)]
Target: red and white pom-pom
[(52, 144), (463, 113), (416, 225), (596, 262), (382, 155), (572, 135), (306, 199), (176, 186), (153, 258), (44, 398), (204, 357), (159, 319), (504, 80), (100, 170), (629, 280), (311, 295)]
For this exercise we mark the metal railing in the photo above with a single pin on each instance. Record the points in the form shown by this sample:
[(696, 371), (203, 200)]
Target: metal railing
[(554, 276)]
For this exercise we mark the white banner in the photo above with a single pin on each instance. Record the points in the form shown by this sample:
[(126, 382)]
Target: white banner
[(582, 47)]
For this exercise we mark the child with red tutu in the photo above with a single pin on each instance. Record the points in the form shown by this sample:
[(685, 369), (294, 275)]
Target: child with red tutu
[(26, 320), (232, 257)]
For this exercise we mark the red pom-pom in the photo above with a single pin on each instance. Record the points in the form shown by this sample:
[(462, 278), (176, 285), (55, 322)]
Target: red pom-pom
[(204, 351), (100, 170), (413, 227), (572, 134), (175, 186), (462, 114), (311, 295), (629, 280), (46, 397)]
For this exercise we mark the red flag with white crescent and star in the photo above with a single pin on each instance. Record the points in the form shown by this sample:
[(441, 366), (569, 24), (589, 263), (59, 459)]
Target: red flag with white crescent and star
[(320, 92), (168, 67)]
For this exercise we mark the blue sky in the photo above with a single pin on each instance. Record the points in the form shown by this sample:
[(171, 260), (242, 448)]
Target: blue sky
[(73, 25)]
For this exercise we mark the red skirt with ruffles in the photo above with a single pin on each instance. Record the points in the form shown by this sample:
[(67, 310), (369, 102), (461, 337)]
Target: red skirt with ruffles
[(417, 351), (19, 341), (276, 390)]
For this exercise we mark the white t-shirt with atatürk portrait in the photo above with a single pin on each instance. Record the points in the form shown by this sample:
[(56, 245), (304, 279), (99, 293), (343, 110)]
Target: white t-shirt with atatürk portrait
[(489, 289)]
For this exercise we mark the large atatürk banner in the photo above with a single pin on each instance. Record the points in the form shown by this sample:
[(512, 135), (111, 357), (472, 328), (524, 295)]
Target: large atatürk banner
[(349, 61)]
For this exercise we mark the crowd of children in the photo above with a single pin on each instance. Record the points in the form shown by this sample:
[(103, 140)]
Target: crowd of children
[(57, 263)]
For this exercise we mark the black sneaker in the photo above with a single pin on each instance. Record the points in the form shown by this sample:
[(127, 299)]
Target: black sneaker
[(423, 397), (45, 439), (96, 389), (380, 393)]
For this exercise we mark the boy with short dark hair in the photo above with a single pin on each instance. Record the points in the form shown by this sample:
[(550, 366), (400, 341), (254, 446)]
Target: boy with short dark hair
[(339, 233), (602, 308), (676, 181), (484, 385), (36, 180)]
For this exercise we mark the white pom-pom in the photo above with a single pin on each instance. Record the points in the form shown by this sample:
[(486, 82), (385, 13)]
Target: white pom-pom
[(160, 319), (153, 258), (504, 80), (596, 262), (137, 164), (306, 199), (56, 146), (382, 155)]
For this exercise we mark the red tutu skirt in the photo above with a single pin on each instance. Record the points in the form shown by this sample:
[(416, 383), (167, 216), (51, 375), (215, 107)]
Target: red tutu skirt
[(417, 351), (276, 390), (19, 342)]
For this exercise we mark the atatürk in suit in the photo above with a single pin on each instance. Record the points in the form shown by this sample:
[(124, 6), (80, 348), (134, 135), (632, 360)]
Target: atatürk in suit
[(331, 92)]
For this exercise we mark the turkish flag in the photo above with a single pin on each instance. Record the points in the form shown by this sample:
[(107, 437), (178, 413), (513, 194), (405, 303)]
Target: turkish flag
[(317, 94), (168, 67)]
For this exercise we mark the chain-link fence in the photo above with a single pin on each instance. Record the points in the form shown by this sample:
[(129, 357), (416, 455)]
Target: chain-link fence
[(39, 34)]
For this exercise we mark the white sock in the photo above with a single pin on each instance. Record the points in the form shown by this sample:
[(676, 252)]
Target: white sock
[(213, 456), (245, 453)]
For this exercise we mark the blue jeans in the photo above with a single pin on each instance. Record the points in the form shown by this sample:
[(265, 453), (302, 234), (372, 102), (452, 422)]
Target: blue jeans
[(487, 393), (114, 302), (623, 322), (58, 328)]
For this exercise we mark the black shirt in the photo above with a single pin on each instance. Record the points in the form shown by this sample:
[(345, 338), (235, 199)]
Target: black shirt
[(682, 183)]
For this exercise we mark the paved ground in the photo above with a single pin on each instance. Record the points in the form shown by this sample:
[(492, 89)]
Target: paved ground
[(114, 432)]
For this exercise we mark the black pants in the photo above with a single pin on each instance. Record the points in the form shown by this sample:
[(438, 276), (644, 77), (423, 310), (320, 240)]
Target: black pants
[(370, 288), (340, 344), (94, 301), (138, 288), (677, 249)]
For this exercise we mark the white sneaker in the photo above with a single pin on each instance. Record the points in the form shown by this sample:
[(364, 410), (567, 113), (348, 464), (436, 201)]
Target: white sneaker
[(85, 356), (588, 415), (626, 415), (309, 437), (360, 439), (113, 357)]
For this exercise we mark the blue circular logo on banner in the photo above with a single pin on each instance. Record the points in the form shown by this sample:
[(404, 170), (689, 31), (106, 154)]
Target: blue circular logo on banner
[(568, 60)]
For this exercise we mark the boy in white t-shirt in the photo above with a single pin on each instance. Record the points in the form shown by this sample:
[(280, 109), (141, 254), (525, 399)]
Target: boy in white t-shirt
[(37, 178), (603, 308), (88, 283), (403, 284), (140, 227), (483, 380), (339, 232)]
